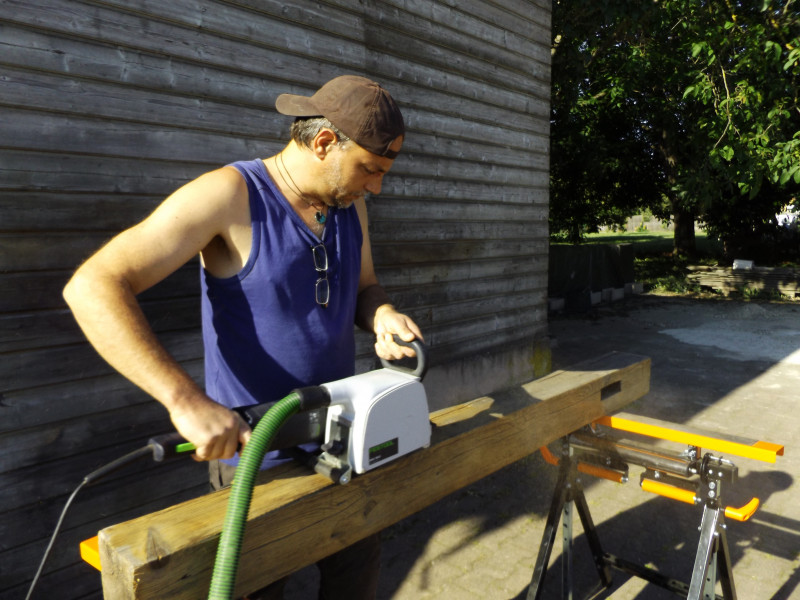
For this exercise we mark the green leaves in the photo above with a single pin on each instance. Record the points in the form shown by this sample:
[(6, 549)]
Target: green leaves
[(786, 161), (792, 59), (726, 152), (793, 173), (695, 102), (704, 50), (773, 50)]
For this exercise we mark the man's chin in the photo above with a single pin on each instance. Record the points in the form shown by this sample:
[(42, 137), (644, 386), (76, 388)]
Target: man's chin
[(347, 201)]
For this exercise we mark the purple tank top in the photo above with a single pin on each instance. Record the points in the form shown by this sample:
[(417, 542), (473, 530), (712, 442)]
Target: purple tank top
[(263, 332)]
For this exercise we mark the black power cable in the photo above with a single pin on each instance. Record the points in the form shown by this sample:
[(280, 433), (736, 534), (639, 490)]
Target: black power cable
[(90, 478)]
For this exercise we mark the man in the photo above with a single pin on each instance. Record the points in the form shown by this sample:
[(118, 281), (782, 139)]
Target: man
[(286, 272)]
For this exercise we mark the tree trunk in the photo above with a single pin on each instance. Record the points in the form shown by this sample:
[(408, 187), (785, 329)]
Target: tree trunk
[(682, 217), (684, 240)]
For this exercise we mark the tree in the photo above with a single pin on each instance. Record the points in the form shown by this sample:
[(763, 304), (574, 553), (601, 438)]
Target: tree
[(603, 167), (748, 80), (689, 108)]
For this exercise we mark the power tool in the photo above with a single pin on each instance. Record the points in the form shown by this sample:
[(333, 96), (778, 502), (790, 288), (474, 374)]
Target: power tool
[(362, 422)]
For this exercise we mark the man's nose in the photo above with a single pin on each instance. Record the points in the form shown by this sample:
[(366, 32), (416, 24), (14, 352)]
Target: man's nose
[(374, 185)]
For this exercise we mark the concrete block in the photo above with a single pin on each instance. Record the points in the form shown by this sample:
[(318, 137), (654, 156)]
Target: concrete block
[(555, 304), (617, 294), (634, 288)]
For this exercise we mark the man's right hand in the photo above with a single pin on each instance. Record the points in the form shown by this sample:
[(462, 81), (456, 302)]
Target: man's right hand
[(215, 431)]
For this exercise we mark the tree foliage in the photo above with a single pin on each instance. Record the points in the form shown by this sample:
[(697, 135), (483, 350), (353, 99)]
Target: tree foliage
[(689, 108)]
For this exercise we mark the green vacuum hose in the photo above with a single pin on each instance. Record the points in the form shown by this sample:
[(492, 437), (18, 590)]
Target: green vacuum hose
[(230, 542)]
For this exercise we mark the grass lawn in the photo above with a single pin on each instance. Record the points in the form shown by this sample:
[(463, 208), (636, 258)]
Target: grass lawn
[(656, 241), (654, 265), (661, 272)]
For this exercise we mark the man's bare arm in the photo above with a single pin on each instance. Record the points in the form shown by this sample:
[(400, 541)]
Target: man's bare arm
[(374, 311), (102, 296)]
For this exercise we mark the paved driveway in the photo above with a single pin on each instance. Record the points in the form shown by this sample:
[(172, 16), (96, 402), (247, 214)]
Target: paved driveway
[(724, 366)]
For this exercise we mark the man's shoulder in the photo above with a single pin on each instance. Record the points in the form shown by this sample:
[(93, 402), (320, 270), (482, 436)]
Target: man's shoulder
[(254, 169)]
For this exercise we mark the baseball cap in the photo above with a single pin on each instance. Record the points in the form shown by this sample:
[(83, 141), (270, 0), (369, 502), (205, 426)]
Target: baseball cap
[(357, 106)]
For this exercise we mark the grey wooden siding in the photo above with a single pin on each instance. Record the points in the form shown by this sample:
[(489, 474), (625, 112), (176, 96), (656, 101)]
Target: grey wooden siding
[(107, 106)]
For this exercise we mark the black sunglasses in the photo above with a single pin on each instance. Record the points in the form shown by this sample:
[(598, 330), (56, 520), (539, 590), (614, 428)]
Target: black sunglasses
[(322, 289)]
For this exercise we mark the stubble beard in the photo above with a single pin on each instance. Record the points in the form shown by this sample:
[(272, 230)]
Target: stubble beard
[(340, 196)]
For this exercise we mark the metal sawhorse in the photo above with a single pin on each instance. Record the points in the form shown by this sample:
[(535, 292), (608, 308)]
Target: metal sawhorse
[(605, 450)]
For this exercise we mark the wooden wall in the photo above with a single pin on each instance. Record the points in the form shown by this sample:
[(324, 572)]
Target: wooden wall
[(107, 106)]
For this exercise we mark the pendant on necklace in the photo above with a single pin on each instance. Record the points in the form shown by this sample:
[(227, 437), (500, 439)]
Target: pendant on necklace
[(321, 218)]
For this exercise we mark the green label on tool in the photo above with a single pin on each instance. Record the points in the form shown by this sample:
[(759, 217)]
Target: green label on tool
[(383, 451)]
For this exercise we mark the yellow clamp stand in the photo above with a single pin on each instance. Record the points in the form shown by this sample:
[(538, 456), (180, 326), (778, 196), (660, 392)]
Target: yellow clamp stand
[(753, 449), (603, 451)]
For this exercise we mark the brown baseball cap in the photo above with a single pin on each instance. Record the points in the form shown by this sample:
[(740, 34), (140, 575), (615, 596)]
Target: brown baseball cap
[(359, 107)]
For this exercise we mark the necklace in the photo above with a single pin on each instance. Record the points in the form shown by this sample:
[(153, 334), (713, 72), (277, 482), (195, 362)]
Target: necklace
[(319, 216)]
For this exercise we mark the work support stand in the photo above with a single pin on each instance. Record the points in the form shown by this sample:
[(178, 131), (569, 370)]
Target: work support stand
[(568, 492), (712, 559)]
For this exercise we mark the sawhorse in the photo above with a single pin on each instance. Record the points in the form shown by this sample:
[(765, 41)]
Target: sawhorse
[(666, 474)]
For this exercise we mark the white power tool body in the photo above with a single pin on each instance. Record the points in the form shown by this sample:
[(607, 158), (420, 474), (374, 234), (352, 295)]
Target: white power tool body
[(374, 418), (361, 422)]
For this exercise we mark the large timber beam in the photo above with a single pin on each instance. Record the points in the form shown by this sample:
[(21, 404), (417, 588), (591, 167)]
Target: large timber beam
[(297, 517)]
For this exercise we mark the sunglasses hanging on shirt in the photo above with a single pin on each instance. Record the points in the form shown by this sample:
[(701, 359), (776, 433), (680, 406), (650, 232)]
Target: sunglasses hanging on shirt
[(322, 290)]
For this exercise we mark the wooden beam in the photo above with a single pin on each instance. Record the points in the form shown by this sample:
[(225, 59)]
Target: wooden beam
[(297, 518)]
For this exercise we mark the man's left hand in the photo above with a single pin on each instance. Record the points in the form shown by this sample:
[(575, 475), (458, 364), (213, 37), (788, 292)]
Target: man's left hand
[(388, 323)]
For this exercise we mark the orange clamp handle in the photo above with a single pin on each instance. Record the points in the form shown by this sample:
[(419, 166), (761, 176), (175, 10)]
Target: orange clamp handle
[(688, 496), (602, 473), (548, 456), (669, 491), (743, 513)]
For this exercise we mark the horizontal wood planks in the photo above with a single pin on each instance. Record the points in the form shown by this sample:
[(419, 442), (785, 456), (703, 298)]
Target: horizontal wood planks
[(785, 281), (108, 106), (297, 518)]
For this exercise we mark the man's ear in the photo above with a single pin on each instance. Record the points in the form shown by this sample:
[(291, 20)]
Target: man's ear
[(324, 142)]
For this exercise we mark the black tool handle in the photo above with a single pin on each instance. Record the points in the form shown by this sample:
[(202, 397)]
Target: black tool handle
[(301, 428), (169, 445), (422, 358)]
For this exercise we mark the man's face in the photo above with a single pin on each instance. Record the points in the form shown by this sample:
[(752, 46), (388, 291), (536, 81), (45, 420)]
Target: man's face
[(354, 171)]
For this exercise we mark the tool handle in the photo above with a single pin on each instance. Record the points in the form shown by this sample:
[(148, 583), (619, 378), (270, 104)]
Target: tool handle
[(669, 491), (422, 358), (169, 445), (602, 472), (302, 428), (743, 513), (172, 445), (548, 456)]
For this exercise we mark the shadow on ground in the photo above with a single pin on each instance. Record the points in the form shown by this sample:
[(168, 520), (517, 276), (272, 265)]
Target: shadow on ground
[(482, 541)]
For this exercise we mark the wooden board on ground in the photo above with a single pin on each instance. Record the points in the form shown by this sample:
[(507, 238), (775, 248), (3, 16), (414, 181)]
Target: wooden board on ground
[(297, 518), (786, 281)]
